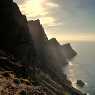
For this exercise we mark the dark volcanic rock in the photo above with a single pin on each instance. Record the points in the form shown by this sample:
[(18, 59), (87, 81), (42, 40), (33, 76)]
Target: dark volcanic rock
[(39, 39), (14, 34), (48, 51), (55, 60), (37, 33), (68, 51), (80, 83), (53, 48), (51, 56)]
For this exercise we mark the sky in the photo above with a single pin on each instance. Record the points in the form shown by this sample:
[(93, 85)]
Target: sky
[(66, 20)]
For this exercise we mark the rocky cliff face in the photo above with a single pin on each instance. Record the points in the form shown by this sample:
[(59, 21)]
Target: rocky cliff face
[(68, 51), (37, 33), (14, 33), (39, 39), (49, 51), (26, 51)]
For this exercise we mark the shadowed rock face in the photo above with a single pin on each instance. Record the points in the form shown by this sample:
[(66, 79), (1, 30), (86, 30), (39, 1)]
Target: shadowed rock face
[(14, 33), (54, 49), (68, 51), (54, 57), (48, 51), (38, 34)]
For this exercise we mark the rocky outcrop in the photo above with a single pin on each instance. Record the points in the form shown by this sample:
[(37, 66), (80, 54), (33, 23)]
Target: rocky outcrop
[(55, 60), (37, 32), (48, 51), (80, 83), (26, 51), (53, 49), (39, 39), (68, 51), (14, 33)]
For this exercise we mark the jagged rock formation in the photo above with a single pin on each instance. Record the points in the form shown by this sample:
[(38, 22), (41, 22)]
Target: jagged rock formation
[(52, 58), (26, 51), (54, 48), (37, 32), (14, 34), (49, 52), (68, 51), (39, 39)]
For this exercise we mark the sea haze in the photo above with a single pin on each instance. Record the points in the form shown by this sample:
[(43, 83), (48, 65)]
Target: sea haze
[(83, 66)]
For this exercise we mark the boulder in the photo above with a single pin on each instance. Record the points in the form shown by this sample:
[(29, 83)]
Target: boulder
[(80, 83)]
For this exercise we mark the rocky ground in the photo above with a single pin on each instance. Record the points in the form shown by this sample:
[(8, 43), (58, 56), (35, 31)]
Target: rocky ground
[(10, 85), (13, 82)]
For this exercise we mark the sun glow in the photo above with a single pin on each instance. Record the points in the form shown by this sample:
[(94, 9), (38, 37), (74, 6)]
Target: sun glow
[(39, 9), (43, 9), (33, 8), (79, 37)]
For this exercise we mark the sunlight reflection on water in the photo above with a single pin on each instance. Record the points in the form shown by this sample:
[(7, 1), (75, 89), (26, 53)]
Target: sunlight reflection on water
[(83, 67)]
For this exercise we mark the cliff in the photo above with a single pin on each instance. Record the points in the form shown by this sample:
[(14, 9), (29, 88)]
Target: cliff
[(26, 51), (68, 51), (14, 33)]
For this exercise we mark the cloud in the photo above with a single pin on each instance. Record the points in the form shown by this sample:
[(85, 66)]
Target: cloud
[(75, 37), (40, 9), (49, 21), (52, 5), (33, 8), (50, 12)]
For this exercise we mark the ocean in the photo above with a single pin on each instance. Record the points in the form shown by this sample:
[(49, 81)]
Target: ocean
[(82, 67)]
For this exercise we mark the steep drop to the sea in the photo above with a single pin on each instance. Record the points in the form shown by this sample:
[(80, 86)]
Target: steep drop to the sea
[(26, 51)]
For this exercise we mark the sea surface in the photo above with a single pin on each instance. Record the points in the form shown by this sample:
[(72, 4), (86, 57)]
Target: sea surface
[(82, 66)]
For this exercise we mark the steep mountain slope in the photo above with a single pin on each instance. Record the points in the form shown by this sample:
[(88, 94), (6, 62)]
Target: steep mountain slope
[(26, 51)]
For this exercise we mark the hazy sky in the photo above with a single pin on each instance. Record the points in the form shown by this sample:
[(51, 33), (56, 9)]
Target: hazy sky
[(66, 20)]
